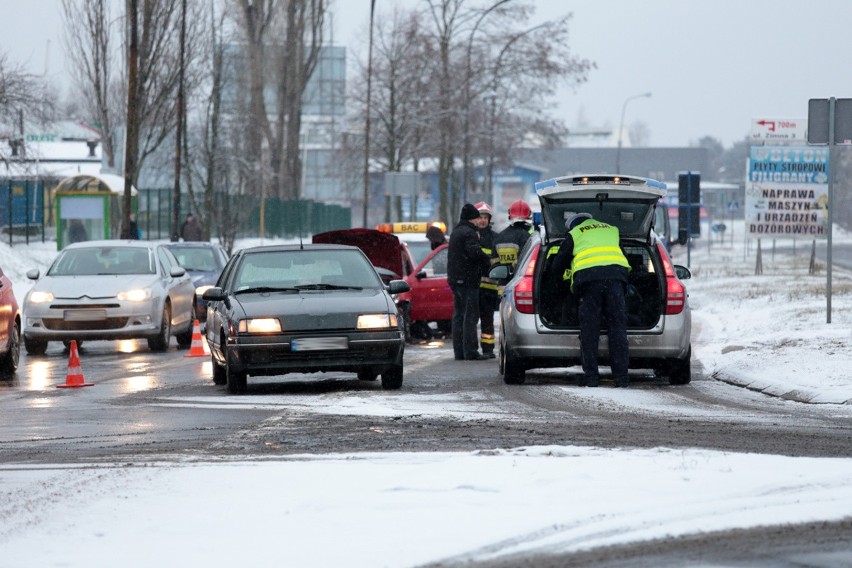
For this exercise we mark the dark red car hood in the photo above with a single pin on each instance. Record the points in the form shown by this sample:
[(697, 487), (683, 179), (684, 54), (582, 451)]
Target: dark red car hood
[(383, 249)]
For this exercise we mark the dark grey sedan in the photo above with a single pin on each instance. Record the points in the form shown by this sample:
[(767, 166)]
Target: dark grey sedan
[(297, 309)]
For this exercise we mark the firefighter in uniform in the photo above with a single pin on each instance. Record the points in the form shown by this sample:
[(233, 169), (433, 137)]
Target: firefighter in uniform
[(598, 275), (488, 295), (512, 239)]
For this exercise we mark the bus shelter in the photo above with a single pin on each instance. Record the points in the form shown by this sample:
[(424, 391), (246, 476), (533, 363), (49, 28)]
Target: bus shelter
[(89, 207)]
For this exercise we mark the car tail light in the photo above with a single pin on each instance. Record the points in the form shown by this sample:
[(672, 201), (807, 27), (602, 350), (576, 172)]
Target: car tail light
[(675, 290), (523, 291)]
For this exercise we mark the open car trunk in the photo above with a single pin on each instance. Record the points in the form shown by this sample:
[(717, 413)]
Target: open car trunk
[(557, 306)]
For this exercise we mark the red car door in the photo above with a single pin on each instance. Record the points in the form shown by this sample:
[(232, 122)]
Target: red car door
[(431, 297)]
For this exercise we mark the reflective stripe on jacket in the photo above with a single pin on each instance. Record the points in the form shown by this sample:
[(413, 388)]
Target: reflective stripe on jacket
[(595, 244)]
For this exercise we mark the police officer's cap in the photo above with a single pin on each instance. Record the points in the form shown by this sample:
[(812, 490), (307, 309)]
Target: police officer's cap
[(574, 219)]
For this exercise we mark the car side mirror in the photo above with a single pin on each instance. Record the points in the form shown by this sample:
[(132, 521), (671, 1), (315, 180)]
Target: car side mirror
[(177, 271), (682, 272), (398, 287), (500, 272), (420, 275), (33, 273), (216, 294)]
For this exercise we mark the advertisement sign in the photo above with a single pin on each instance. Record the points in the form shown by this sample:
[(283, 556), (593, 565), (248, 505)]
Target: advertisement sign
[(787, 192)]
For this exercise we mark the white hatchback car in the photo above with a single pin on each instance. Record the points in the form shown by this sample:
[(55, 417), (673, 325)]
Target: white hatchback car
[(110, 290), (538, 316)]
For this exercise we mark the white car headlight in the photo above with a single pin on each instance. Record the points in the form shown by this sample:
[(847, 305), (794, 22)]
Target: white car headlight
[(38, 297), (260, 325), (376, 321), (135, 295)]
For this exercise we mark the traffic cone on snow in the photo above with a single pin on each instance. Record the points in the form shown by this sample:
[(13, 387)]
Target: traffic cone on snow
[(197, 347), (74, 376)]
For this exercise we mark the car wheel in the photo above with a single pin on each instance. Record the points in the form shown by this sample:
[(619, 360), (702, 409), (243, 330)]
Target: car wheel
[(512, 370), (219, 376), (235, 380), (161, 342), (680, 372), (367, 375), (35, 346), (9, 361), (392, 378)]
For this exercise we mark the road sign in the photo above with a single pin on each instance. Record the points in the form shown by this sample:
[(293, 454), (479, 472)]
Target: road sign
[(733, 205), (818, 121), (779, 129)]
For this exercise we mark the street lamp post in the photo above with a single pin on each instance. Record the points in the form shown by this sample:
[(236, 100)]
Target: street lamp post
[(621, 129)]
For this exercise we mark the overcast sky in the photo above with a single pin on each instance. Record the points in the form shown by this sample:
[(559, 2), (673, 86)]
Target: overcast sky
[(711, 65)]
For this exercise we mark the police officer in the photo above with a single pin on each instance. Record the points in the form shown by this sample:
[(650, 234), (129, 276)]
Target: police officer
[(512, 239), (465, 263), (488, 295), (598, 276)]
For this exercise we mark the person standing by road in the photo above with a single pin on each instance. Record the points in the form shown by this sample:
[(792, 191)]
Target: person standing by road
[(512, 239), (191, 229), (465, 264), (435, 236), (488, 295), (598, 276)]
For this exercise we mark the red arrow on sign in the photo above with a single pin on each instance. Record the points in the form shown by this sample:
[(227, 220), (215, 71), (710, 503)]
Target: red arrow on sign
[(771, 124)]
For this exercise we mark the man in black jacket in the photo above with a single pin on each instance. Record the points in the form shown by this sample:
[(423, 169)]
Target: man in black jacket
[(465, 265)]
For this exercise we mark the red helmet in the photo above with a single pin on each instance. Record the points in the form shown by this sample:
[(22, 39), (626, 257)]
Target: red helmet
[(483, 207), (520, 211)]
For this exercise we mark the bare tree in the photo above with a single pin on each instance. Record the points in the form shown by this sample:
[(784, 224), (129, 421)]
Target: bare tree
[(23, 98), (283, 39), (91, 47), (484, 77)]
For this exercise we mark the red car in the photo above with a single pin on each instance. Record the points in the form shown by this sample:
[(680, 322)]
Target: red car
[(430, 298), (10, 329)]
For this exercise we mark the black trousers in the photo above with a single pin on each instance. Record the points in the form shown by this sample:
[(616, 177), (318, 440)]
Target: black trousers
[(465, 318), (603, 300)]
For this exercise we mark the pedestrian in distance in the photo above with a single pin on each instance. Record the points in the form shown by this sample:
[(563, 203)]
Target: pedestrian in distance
[(592, 260), (488, 289), (191, 229), (465, 265), (435, 236), (134, 231), (77, 232)]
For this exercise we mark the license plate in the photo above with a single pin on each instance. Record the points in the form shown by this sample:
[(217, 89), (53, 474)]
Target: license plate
[(85, 315), (319, 344)]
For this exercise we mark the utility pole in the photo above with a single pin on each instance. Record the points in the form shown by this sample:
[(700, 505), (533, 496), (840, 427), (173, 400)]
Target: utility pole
[(179, 127), (131, 144)]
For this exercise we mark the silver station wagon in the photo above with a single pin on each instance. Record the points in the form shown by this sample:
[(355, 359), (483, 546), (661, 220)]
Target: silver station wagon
[(538, 315)]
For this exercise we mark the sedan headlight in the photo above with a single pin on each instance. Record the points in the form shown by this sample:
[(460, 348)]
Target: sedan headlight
[(135, 295), (260, 325), (38, 297), (376, 321)]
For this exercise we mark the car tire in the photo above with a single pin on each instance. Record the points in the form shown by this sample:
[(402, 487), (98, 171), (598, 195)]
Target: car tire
[(392, 378), (9, 361), (219, 376), (367, 375), (679, 370), (161, 341), (511, 369), (236, 381), (35, 346)]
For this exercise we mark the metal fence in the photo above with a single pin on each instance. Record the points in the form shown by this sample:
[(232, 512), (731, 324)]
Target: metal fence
[(23, 211), (281, 218)]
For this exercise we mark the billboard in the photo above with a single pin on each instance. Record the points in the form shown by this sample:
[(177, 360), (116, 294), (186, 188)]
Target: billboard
[(787, 192)]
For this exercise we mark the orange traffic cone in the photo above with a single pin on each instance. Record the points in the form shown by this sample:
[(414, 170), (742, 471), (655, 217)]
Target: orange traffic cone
[(197, 347), (74, 377)]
